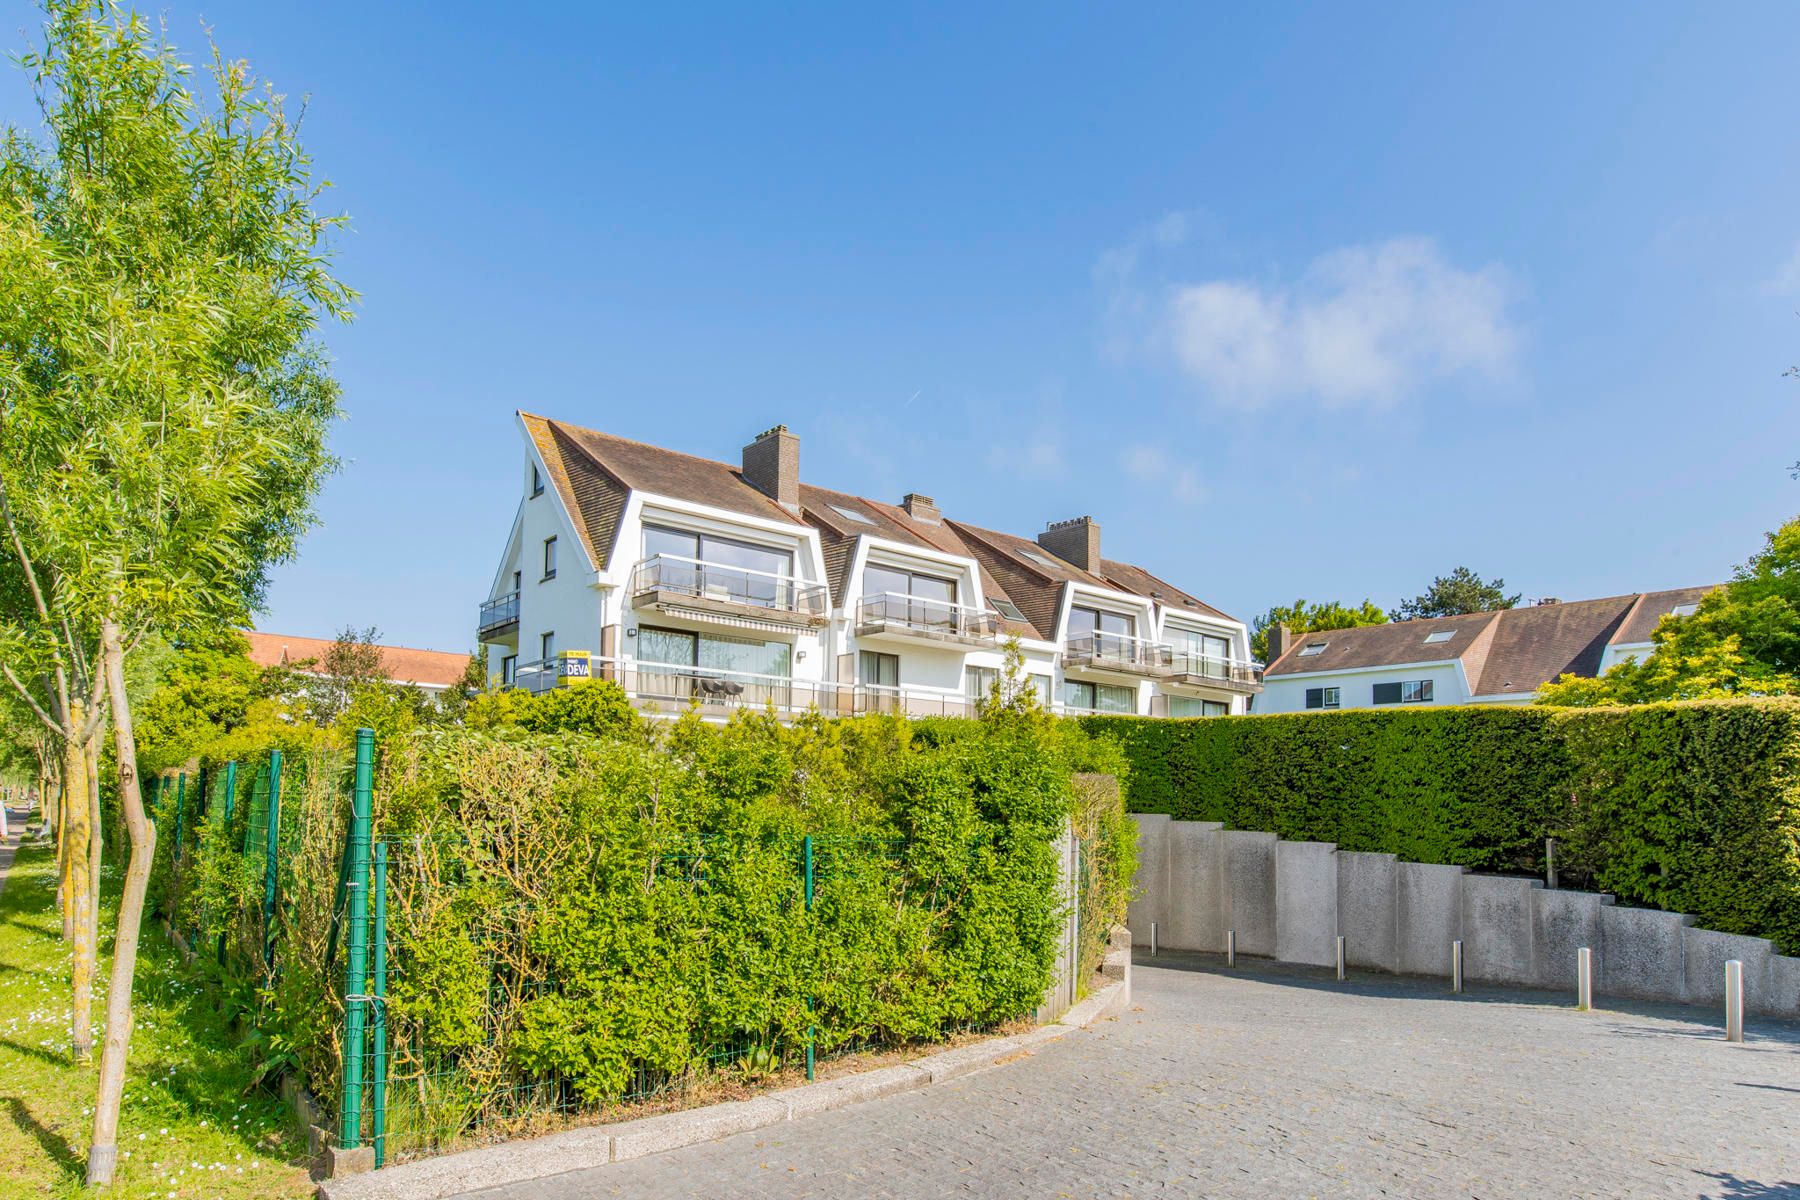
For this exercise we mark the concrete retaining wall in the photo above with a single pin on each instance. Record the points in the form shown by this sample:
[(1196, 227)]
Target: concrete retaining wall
[(1291, 900)]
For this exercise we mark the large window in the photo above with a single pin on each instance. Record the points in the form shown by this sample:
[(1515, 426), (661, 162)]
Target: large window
[(1323, 697), (880, 581), (1099, 697), (1200, 653), (980, 682), (1188, 706), (704, 564), (675, 662), (1416, 691), (878, 670), (1084, 622)]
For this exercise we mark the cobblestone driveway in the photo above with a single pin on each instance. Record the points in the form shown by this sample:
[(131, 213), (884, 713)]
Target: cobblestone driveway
[(1278, 1083)]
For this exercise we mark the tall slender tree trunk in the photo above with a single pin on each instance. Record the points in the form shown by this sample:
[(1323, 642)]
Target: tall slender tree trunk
[(78, 908), (65, 866), (103, 1154), (96, 842)]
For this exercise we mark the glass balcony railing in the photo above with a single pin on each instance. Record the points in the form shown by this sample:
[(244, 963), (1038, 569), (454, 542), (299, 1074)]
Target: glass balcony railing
[(918, 614), (1118, 651), (718, 584), (498, 613)]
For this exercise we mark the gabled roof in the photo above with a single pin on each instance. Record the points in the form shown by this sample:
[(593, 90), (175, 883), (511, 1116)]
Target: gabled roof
[(594, 474), (1652, 607), (401, 664), (1387, 645), (1513, 651)]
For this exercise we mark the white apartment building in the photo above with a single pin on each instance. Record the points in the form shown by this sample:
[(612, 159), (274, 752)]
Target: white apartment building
[(1501, 657), (687, 580)]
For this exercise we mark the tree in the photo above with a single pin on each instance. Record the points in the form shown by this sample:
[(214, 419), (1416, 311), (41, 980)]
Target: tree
[(330, 682), (1301, 617), (1742, 640), (163, 401), (1461, 591)]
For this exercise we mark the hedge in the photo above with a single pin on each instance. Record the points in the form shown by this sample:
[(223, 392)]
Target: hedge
[(1691, 807)]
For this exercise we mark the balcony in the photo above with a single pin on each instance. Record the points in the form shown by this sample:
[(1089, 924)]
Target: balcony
[(668, 689), (499, 617), (689, 587), (1119, 654), (917, 619), (1225, 674)]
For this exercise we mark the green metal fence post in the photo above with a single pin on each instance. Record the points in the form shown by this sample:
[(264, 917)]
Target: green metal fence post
[(378, 989), (271, 849), (356, 944), (806, 854), (175, 853), (230, 794)]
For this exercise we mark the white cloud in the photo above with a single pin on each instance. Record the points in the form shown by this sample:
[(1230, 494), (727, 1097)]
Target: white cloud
[(1787, 280), (1037, 453), (1151, 467), (1362, 325)]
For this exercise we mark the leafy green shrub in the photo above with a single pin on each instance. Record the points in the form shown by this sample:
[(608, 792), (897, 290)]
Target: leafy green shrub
[(1692, 807)]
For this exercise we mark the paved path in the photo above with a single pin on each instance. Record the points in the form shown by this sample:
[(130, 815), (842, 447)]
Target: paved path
[(1276, 1082), (15, 829)]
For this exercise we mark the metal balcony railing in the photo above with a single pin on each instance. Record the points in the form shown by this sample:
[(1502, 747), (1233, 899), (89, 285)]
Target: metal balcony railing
[(1231, 672), (923, 615), (669, 687), (498, 613), (719, 584), (1118, 651)]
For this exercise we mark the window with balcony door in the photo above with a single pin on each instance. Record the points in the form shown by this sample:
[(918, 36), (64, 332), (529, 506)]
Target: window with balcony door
[(910, 596), (678, 663), (981, 682), (1099, 697), (1109, 631), (1188, 706), (1199, 653), (705, 565), (878, 670)]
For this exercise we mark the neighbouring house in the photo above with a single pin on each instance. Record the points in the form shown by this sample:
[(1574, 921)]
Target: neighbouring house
[(686, 579), (431, 671), (1501, 657)]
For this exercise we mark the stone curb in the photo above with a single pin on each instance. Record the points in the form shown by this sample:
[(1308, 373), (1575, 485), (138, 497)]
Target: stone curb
[(580, 1149)]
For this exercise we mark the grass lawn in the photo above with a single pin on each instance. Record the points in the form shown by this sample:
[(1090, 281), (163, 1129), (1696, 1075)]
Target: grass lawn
[(189, 1126)]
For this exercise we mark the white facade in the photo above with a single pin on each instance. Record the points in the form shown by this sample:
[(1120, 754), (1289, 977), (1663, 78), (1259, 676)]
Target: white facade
[(1355, 687), (672, 628)]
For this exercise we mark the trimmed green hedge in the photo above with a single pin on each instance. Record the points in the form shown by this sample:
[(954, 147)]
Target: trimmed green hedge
[(1692, 807)]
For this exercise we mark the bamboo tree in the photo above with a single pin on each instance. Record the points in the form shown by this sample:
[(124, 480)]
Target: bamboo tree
[(163, 268)]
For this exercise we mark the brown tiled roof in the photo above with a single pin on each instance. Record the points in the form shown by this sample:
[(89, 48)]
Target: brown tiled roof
[(838, 536), (1384, 645), (402, 664), (1128, 578), (1533, 646), (594, 473), (1514, 651), (1652, 607)]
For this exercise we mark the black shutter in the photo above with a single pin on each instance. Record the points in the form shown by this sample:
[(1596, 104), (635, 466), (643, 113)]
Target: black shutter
[(1315, 697), (1387, 693)]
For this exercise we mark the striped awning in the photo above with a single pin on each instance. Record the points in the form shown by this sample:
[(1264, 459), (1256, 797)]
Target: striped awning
[(727, 619)]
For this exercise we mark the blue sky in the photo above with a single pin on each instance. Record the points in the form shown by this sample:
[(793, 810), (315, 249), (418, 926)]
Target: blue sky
[(1297, 301)]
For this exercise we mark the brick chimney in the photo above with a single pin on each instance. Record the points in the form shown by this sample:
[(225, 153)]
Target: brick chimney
[(772, 466), (921, 508), (1279, 640), (1076, 541)]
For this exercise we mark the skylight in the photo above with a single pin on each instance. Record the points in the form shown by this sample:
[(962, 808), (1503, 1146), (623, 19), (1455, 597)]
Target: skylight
[(1035, 557), (1312, 648), (1437, 636), (850, 514), (1684, 610), (1005, 608)]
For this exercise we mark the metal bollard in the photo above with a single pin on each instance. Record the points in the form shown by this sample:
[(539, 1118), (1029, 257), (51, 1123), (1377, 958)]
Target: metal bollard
[(1734, 1001), (1456, 966), (1340, 957), (1231, 947), (1584, 979), (1153, 939)]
